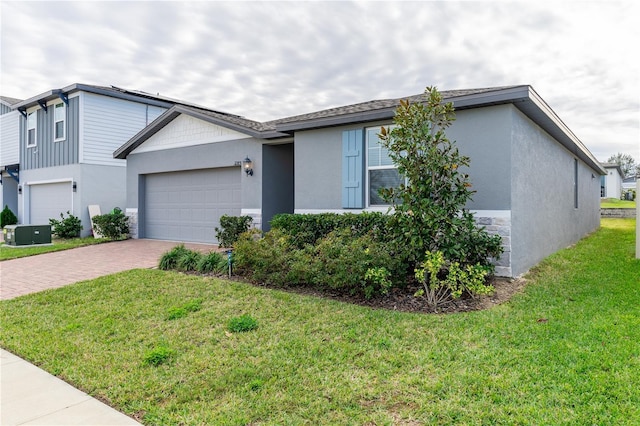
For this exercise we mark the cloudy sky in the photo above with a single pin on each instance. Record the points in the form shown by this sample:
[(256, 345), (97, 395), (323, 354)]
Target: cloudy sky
[(267, 60)]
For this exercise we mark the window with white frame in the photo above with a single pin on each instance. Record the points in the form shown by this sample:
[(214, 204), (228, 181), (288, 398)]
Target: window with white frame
[(59, 122), (381, 172), (32, 120)]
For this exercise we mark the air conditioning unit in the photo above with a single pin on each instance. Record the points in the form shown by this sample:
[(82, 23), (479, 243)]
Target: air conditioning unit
[(27, 235)]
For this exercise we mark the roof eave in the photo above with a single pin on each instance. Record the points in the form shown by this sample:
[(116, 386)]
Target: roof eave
[(522, 97), (260, 134), (542, 114), (172, 113), (154, 127), (76, 87), (353, 118), (509, 95)]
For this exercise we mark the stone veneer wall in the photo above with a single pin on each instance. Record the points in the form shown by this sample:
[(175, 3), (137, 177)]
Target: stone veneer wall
[(132, 214), (256, 215), (499, 226), (618, 213)]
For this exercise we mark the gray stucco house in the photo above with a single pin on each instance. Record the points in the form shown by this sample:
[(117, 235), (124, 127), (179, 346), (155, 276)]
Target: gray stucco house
[(536, 184), (185, 170), (66, 141)]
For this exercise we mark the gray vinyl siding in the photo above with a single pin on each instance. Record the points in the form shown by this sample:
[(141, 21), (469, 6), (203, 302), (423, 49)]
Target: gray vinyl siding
[(4, 109), (48, 153), (109, 123), (10, 138)]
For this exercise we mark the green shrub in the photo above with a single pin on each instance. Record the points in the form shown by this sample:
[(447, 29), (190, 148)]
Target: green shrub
[(169, 260), (66, 227), (180, 258), (242, 324), (309, 228), (158, 355), (350, 264), (212, 262), (230, 229), (7, 217), (189, 260), (471, 244), (114, 225), (339, 261), (267, 260), (442, 279)]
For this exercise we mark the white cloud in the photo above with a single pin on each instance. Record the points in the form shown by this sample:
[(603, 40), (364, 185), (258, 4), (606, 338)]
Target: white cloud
[(266, 60)]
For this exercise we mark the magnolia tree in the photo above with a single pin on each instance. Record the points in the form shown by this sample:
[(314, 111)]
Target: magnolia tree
[(429, 207)]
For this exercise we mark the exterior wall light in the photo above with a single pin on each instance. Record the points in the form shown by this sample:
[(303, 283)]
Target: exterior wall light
[(74, 186), (19, 189), (247, 165)]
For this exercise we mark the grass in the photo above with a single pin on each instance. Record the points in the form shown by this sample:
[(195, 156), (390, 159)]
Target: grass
[(7, 252), (614, 203), (563, 352)]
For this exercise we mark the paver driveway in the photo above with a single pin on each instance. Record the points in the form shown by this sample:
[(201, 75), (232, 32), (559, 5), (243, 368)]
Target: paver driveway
[(52, 270)]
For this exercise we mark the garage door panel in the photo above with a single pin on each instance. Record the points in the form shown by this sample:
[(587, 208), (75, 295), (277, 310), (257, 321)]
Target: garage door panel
[(47, 201), (186, 206)]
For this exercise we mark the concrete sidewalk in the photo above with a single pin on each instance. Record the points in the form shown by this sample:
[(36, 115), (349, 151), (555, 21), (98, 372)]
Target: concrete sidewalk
[(31, 396)]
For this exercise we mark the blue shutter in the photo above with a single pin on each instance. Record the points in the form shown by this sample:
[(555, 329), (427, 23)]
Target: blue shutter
[(352, 169)]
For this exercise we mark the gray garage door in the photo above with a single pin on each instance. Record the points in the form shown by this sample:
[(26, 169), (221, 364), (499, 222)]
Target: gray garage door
[(47, 201), (186, 206)]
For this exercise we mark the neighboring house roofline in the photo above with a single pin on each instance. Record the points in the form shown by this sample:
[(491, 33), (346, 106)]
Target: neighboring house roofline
[(252, 128), (8, 101), (522, 97), (99, 90), (613, 166), (111, 91)]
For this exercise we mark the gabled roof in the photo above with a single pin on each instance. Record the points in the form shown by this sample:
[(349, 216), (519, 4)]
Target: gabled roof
[(366, 111), (233, 122), (112, 91), (613, 166), (10, 102), (522, 97)]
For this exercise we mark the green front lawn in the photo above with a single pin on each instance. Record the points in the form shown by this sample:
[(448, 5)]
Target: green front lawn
[(7, 252), (563, 352), (614, 203)]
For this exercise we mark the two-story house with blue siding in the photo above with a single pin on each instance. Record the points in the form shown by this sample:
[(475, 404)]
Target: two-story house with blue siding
[(9, 153), (67, 137)]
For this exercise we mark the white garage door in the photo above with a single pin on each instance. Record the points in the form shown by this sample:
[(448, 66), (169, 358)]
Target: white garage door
[(186, 206), (47, 201)]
